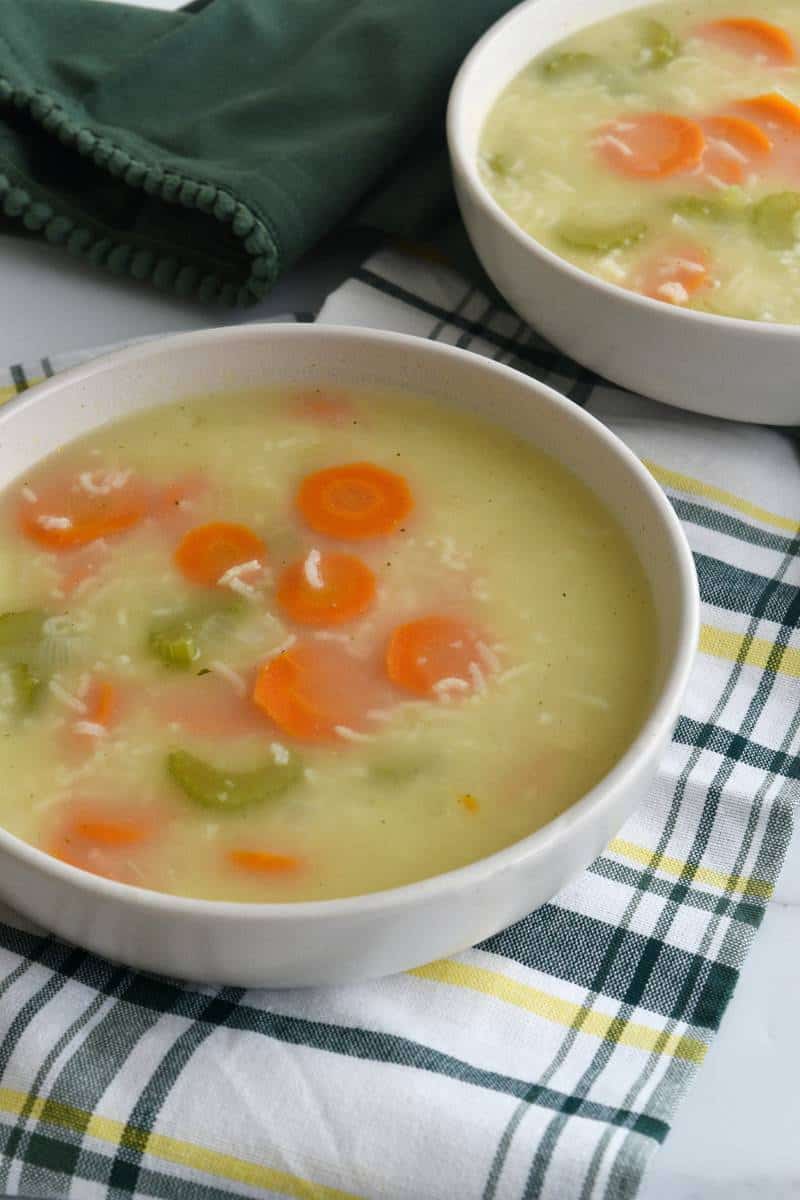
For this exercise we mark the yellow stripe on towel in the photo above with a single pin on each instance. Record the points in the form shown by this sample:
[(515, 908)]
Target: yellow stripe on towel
[(746, 885), (168, 1149), (696, 487), (561, 1012), (757, 652)]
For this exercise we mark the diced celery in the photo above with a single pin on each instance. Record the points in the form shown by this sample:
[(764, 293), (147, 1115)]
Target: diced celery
[(599, 238), (500, 164), (20, 634), (399, 768), (775, 220), (724, 206), (180, 640), (26, 687), (217, 787), (567, 62), (659, 44), (174, 648)]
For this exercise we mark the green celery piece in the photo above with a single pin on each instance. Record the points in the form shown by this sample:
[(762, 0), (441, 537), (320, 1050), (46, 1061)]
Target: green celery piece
[(659, 44), (26, 686), (775, 220), (23, 640), (218, 788), (21, 643), (566, 63), (726, 206), (179, 641), (399, 768), (600, 238), (174, 646), (20, 634), (500, 164)]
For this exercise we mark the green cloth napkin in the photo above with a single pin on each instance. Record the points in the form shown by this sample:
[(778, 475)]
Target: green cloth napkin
[(206, 149)]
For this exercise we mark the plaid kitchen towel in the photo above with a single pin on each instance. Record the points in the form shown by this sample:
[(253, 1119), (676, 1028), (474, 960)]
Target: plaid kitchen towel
[(546, 1062)]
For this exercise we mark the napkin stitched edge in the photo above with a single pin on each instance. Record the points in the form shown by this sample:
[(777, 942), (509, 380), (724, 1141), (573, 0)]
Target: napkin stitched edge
[(164, 270)]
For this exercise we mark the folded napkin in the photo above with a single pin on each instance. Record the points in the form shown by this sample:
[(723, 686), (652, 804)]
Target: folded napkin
[(204, 150), (545, 1063)]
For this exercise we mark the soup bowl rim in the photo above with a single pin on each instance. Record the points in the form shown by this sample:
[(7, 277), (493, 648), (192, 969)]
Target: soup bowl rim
[(655, 729)]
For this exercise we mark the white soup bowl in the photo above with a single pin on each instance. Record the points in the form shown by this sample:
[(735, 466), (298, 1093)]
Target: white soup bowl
[(339, 941)]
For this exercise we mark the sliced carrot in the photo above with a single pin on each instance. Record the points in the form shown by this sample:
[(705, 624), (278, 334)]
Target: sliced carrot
[(94, 859), (325, 406), (734, 145), (777, 116), (103, 703), (469, 803), (207, 706), (95, 838), (650, 145), (105, 832), (326, 589), (314, 689), (206, 552), (67, 515), (752, 38), (426, 655), (264, 862), (356, 500), (674, 273)]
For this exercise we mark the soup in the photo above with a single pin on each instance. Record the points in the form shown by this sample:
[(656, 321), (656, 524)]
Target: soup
[(660, 150), (307, 644)]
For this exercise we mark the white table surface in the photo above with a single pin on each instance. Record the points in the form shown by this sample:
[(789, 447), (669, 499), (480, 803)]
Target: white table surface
[(737, 1135)]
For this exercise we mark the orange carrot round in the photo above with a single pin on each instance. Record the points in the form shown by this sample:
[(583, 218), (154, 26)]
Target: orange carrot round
[(97, 839), (733, 146), (206, 552), (207, 707), (752, 38), (426, 655), (353, 501), (263, 862), (674, 273), (326, 589), (651, 145), (102, 702), (105, 832), (73, 512), (324, 406), (777, 116), (315, 688)]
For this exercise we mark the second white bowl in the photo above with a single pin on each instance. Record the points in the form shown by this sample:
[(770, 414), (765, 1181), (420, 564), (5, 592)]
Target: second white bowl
[(721, 366)]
